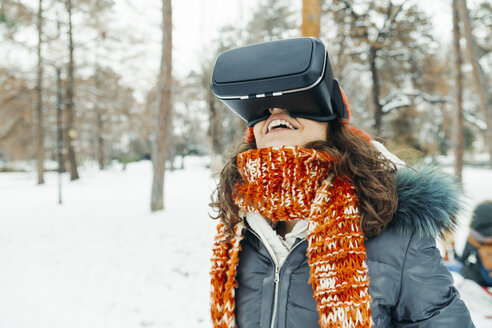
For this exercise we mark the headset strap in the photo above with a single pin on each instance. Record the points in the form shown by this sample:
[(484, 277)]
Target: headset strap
[(337, 101)]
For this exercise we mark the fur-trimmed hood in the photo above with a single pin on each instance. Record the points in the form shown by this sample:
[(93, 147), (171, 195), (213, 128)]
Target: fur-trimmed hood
[(428, 201)]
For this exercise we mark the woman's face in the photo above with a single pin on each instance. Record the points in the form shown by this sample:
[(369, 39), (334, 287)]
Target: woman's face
[(281, 129)]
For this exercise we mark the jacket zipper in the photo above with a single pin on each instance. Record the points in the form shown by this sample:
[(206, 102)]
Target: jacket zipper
[(277, 273), (275, 299)]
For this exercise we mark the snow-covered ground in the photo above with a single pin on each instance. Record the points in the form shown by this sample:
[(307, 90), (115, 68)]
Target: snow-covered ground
[(102, 259)]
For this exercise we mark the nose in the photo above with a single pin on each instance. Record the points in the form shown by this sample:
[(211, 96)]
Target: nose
[(274, 111)]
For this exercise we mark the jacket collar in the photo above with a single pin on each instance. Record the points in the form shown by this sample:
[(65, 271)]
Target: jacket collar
[(428, 202)]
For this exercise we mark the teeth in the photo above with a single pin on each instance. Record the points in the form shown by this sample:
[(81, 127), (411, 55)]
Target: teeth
[(276, 123)]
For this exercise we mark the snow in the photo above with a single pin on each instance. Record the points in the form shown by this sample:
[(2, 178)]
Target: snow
[(477, 300), (395, 104), (102, 259), (475, 121)]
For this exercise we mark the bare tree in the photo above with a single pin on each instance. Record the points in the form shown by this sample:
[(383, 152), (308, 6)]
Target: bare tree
[(375, 38), (478, 75), (39, 99), (17, 123), (98, 21), (460, 141), (386, 39), (215, 127), (163, 113), (99, 118), (69, 107), (97, 104)]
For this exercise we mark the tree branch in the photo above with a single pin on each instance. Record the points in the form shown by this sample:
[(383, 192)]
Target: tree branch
[(470, 118), (406, 98), (348, 6)]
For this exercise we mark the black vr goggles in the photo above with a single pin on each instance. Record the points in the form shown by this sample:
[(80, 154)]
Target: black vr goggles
[(293, 74)]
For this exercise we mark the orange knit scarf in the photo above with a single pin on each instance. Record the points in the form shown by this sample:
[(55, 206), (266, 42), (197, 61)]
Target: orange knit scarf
[(291, 183)]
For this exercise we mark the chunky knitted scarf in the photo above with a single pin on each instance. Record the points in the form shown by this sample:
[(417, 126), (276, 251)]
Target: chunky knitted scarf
[(291, 183)]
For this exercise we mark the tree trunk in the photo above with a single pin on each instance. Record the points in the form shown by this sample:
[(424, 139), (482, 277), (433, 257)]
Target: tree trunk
[(39, 99), (99, 118), (478, 76), (460, 140), (100, 140), (70, 130), (100, 126), (163, 115), (59, 135), (378, 109), (214, 134), (311, 12)]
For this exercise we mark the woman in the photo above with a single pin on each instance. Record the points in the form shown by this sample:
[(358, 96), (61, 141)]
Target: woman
[(318, 228)]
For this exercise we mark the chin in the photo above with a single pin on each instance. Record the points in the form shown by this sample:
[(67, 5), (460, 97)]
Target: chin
[(278, 144)]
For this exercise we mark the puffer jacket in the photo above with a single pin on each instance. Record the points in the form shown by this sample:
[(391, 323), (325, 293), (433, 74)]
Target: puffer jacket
[(481, 230), (409, 284)]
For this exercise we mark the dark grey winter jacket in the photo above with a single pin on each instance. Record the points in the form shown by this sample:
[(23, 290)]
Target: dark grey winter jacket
[(409, 284)]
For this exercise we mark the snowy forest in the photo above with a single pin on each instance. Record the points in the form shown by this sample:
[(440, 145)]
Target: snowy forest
[(400, 75), (109, 132)]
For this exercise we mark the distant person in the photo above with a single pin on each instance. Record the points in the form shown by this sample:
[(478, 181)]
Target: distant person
[(318, 227), (477, 254)]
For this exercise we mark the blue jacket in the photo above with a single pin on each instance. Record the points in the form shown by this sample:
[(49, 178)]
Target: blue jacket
[(409, 284)]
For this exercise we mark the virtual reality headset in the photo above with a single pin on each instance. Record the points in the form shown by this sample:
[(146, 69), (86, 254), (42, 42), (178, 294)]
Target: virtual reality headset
[(292, 74)]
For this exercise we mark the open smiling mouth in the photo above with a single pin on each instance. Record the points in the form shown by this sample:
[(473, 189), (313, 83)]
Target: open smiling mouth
[(279, 124)]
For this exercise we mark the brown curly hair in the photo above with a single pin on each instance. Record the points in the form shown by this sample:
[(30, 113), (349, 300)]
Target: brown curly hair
[(371, 173)]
